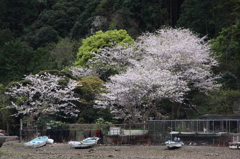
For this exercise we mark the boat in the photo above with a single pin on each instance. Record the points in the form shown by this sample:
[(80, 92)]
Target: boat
[(37, 142), (176, 143), (86, 143), (173, 144), (234, 145), (50, 141)]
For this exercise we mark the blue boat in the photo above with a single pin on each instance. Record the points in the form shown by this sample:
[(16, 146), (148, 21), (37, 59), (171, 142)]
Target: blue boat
[(37, 142)]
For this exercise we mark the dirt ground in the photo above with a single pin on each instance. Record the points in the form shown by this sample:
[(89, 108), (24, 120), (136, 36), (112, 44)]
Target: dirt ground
[(16, 150)]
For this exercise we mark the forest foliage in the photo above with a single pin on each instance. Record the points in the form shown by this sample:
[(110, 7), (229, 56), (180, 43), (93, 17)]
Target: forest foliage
[(62, 36)]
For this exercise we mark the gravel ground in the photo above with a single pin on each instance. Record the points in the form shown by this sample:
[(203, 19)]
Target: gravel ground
[(16, 150)]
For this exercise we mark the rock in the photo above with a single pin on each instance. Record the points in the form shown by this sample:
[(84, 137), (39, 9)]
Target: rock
[(91, 150), (212, 154)]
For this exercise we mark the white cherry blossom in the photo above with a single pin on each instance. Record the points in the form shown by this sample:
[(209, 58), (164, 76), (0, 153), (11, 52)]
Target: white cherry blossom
[(166, 64), (43, 95)]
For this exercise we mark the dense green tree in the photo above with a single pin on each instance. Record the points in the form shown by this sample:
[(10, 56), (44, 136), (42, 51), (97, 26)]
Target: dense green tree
[(82, 27), (198, 16), (64, 52), (227, 48), (5, 36), (43, 37), (222, 101), (208, 17), (226, 13), (92, 114), (100, 40), (18, 14), (14, 61), (42, 59), (54, 18), (7, 122), (229, 81), (17, 60), (106, 8), (91, 87), (137, 16), (64, 16), (216, 102)]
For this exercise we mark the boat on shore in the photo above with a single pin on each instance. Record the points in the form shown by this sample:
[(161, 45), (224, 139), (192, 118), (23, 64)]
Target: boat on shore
[(50, 141), (37, 142), (176, 143), (234, 145), (173, 144), (86, 143)]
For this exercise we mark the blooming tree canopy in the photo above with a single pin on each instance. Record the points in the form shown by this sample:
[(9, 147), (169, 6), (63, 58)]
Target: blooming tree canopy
[(44, 95), (112, 60), (166, 64)]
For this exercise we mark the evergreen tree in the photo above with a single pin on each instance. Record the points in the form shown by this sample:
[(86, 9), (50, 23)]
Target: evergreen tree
[(100, 40)]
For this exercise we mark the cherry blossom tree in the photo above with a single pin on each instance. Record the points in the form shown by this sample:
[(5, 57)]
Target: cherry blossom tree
[(166, 64), (112, 60), (43, 95)]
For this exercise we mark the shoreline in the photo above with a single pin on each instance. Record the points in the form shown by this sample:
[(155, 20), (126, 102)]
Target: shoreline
[(16, 150)]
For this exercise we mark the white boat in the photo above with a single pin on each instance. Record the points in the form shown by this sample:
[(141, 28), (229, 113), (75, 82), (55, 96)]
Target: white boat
[(37, 142), (173, 144), (50, 141), (86, 143), (234, 145)]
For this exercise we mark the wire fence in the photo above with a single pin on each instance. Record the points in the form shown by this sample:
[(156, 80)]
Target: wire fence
[(153, 131), (197, 125)]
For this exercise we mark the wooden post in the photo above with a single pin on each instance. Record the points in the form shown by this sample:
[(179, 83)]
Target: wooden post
[(7, 127), (130, 128), (144, 127), (20, 131)]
